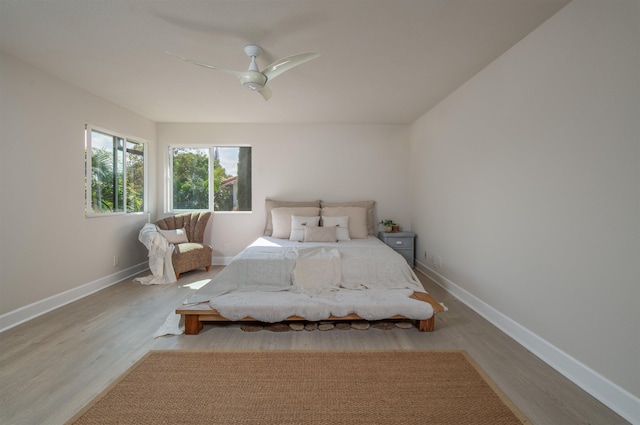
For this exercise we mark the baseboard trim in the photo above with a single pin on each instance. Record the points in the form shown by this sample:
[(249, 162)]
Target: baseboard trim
[(31, 311), (221, 261), (613, 396)]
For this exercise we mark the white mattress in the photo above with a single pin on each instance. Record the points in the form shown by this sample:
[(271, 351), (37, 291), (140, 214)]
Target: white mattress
[(375, 282)]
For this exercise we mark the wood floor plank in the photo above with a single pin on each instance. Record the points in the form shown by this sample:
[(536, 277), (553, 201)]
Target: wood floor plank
[(51, 366)]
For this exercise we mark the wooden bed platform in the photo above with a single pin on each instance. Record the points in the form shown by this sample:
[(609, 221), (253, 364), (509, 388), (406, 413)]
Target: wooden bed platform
[(195, 315)]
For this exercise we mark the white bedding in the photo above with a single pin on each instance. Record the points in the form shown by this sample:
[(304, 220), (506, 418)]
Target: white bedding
[(273, 279)]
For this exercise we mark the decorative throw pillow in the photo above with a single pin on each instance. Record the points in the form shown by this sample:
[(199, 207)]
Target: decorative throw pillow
[(367, 205), (342, 224), (297, 226), (320, 234), (270, 204), (281, 219), (175, 236), (357, 219)]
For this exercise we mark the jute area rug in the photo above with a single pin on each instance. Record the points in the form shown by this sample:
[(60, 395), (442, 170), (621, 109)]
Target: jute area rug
[(302, 387)]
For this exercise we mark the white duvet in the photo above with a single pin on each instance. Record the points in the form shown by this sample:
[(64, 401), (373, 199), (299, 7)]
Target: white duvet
[(273, 279)]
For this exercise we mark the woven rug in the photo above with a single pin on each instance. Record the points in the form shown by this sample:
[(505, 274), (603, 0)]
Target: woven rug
[(302, 387)]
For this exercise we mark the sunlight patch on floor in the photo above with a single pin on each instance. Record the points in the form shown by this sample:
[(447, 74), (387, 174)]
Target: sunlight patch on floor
[(197, 284)]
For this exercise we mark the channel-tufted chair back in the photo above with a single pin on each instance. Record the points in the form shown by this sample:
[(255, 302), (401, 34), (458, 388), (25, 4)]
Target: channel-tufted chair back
[(195, 253)]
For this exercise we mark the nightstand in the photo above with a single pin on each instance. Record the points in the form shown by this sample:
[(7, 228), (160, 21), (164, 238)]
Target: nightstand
[(401, 242)]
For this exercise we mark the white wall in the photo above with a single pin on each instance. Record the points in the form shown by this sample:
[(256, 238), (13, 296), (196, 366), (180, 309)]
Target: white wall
[(303, 162), (51, 254), (48, 246), (527, 187)]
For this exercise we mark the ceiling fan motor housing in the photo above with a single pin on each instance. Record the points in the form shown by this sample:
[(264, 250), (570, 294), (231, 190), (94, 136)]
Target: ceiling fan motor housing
[(253, 80)]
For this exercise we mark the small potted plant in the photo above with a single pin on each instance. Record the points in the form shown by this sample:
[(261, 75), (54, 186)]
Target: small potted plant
[(388, 225)]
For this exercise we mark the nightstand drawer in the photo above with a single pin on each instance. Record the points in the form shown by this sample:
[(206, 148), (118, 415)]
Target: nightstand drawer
[(399, 243), (407, 254), (402, 243)]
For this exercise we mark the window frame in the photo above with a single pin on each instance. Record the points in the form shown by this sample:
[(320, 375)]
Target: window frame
[(169, 207), (89, 128)]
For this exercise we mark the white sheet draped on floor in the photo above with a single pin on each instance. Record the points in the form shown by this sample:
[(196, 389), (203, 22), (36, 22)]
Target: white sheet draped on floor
[(173, 325), (160, 252)]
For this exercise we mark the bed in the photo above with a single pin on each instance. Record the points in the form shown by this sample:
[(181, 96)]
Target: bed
[(315, 262)]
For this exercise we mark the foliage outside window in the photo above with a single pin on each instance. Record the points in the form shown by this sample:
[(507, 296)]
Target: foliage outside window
[(210, 178), (114, 173)]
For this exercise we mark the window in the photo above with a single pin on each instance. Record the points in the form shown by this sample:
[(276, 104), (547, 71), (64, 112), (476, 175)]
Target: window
[(114, 173), (210, 178)]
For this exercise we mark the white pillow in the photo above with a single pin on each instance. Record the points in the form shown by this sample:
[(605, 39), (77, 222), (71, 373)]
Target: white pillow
[(357, 219), (297, 226), (281, 219), (270, 204), (342, 232), (175, 236)]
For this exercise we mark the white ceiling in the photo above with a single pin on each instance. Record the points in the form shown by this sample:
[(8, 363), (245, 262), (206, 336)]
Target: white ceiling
[(382, 61)]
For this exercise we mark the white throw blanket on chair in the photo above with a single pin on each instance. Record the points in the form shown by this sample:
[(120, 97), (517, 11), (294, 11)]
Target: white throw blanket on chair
[(160, 252)]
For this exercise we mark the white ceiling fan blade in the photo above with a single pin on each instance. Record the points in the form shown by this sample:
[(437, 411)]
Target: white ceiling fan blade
[(233, 72), (265, 92), (282, 65), (252, 78)]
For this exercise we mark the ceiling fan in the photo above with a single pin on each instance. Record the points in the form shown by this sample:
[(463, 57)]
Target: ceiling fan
[(253, 78)]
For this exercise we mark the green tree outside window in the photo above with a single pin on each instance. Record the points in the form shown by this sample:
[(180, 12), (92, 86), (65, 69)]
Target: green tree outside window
[(231, 186)]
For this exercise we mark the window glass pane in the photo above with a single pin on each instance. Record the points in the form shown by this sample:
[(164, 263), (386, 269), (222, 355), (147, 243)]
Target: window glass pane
[(114, 173), (232, 178), (107, 178), (190, 178), (135, 176)]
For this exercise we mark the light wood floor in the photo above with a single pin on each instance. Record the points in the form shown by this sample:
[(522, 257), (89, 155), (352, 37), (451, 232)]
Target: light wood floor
[(53, 365)]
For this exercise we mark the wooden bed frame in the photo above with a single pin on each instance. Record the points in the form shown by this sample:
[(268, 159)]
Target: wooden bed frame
[(195, 315)]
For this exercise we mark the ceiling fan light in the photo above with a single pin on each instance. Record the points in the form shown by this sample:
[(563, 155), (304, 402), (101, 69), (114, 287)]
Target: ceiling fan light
[(253, 86)]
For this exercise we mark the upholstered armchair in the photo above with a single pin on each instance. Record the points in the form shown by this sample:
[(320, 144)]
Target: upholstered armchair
[(195, 253)]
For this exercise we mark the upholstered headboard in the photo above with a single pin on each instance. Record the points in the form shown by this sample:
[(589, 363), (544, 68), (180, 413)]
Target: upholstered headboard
[(368, 206)]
